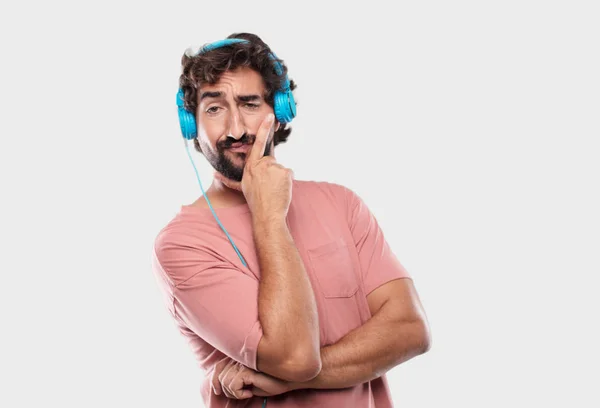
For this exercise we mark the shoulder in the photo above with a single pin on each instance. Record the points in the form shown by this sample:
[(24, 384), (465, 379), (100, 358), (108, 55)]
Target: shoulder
[(340, 196), (190, 227), (182, 248), (322, 189)]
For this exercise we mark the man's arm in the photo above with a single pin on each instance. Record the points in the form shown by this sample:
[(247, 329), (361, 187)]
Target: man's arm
[(397, 332), (289, 347)]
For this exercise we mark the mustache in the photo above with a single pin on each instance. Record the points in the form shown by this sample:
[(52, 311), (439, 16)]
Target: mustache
[(244, 140)]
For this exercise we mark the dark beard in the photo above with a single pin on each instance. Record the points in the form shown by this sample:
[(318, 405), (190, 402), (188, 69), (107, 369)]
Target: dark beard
[(224, 165)]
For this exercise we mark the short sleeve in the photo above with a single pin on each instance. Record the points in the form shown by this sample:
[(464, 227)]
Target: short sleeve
[(212, 298), (378, 263)]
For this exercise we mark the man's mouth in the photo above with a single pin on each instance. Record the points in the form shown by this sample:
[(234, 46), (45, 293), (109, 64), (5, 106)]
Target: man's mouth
[(239, 148)]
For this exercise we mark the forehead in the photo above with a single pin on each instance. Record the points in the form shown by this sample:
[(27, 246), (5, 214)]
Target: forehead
[(240, 81)]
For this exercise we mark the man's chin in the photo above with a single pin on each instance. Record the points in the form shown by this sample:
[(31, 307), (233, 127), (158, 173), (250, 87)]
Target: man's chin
[(234, 174), (240, 157)]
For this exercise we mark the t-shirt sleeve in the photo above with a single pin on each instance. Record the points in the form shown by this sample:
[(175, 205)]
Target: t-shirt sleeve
[(378, 263), (213, 298)]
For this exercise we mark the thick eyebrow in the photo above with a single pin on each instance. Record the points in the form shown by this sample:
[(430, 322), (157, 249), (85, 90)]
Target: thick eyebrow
[(210, 94), (248, 98), (218, 94)]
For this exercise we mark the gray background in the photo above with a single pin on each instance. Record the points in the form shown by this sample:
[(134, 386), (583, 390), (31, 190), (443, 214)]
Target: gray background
[(470, 128)]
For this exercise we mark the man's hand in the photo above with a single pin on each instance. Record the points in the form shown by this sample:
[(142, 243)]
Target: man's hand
[(266, 184), (237, 381), (232, 380), (266, 386)]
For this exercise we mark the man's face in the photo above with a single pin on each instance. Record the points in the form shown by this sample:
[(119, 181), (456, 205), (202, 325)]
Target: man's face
[(228, 116)]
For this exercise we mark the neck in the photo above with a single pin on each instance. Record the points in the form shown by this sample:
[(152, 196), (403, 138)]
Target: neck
[(224, 196)]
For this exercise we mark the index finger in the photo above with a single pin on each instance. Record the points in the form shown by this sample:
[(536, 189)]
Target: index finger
[(258, 148)]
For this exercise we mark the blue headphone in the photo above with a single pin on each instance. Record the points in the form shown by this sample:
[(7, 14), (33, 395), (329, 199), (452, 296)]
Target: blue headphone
[(284, 103)]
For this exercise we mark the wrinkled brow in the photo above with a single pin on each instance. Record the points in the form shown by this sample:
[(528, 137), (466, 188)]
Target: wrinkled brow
[(220, 95)]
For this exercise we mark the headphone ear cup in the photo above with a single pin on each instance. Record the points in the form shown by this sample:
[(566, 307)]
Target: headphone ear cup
[(283, 100), (285, 106), (187, 121)]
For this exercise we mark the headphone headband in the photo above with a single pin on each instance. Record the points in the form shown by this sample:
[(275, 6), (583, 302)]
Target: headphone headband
[(214, 45)]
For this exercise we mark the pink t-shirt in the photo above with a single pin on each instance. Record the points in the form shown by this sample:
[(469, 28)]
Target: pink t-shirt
[(213, 298)]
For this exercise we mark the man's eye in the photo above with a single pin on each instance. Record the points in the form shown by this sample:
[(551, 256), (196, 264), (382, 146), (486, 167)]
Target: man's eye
[(213, 109), (252, 105)]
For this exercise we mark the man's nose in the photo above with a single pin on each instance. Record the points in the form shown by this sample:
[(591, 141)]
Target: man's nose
[(236, 125)]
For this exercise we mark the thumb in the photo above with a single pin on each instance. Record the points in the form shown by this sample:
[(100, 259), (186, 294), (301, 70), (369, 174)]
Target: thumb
[(216, 386), (234, 185), (248, 377)]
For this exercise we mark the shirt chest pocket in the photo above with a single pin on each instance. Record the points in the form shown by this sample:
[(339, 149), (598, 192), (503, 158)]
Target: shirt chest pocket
[(334, 269)]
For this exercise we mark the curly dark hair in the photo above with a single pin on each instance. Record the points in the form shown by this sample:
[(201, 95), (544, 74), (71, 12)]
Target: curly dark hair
[(209, 66)]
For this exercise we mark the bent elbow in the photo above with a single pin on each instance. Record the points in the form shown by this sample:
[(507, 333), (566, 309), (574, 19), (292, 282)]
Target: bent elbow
[(302, 369), (424, 342), (299, 364)]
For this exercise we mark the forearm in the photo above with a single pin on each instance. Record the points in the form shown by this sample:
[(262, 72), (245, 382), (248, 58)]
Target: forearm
[(368, 352), (286, 304)]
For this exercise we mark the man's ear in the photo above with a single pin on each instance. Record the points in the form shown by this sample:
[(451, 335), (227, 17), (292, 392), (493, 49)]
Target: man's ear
[(277, 127)]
